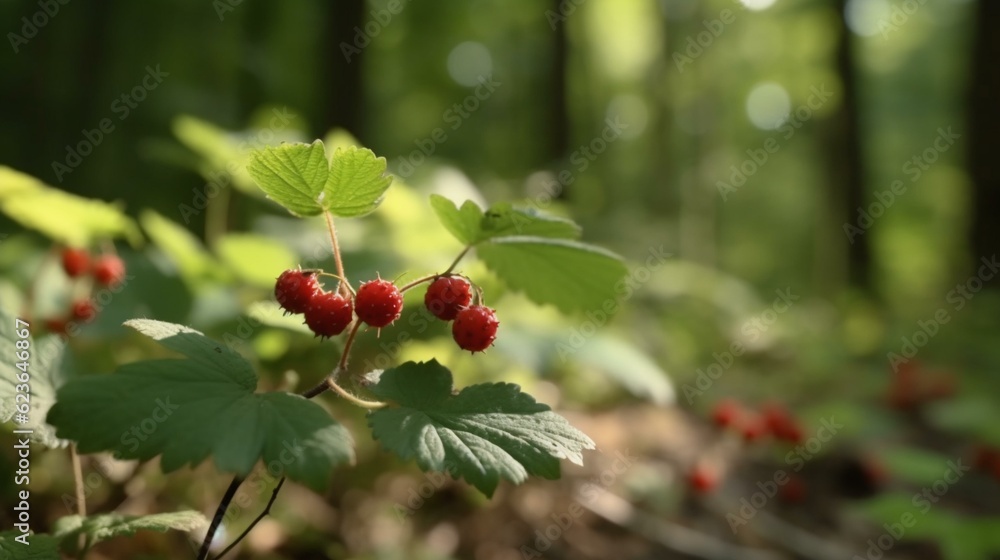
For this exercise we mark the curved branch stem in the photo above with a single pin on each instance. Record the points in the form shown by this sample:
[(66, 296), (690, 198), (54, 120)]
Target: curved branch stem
[(263, 514), (455, 262), (220, 512)]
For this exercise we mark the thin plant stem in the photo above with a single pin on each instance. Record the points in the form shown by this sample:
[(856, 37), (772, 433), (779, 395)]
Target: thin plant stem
[(455, 262), (263, 514), (81, 497), (220, 512), (335, 245)]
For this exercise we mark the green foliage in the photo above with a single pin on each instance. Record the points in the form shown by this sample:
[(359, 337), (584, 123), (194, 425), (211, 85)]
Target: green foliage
[(48, 367), (186, 409), (961, 537), (40, 547), (535, 253), (470, 225), (483, 433), (106, 526), (188, 254), (96, 528), (915, 465), (302, 179), (572, 276), (59, 215), (254, 258), (625, 364)]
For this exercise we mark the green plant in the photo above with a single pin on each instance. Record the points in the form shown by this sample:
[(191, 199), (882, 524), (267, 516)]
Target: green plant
[(482, 433)]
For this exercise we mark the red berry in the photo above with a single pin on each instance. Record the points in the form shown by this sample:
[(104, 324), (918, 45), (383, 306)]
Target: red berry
[(475, 328), (702, 479), (726, 413), (776, 417), (752, 427), (378, 303), (109, 270), (328, 314), (83, 310), (56, 326), (294, 289), (448, 295), (781, 424), (75, 262)]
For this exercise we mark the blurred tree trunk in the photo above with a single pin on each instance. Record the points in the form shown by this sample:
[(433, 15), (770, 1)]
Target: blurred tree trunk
[(558, 124), (984, 125), (342, 76), (842, 259)]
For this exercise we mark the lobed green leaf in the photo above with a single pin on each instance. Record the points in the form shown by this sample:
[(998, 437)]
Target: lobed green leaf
[(483, 433), (188, 409)]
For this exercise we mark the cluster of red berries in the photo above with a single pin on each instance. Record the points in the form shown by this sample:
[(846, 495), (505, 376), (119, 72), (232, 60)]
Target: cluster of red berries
[(772, 419), (378, 303), (107, 270)]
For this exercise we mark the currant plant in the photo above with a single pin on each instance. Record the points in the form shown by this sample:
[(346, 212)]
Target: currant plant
[(481, 433)]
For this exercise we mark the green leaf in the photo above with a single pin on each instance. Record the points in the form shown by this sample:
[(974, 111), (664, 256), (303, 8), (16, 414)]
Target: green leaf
[(356, 184), (187, 409), (59, 215), (916, 465), (624, 363), (269, 313), (463, 223), (484, 433), (48, 367), (193, 262), (571, 275), (503, 220), (255, 259), (13, 183), (40, 547), (293, 175), (470, 225), (110, 525)]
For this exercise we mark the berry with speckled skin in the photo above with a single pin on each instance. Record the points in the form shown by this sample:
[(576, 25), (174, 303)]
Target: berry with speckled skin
[(446, 296), (328, 314), (475, 328), (295, 289), (378, 303)]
